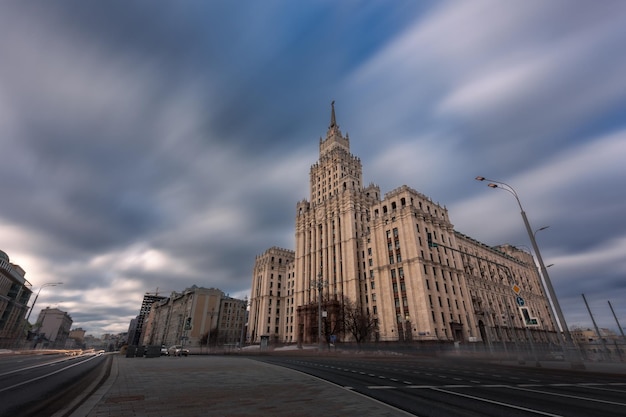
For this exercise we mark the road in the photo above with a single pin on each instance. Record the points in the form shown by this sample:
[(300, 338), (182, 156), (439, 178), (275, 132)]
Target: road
[(41, 384), (443, 388)]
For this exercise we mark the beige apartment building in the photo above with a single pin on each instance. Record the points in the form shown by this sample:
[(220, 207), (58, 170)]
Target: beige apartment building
[(196, 318), (399, 258), (52, 328)]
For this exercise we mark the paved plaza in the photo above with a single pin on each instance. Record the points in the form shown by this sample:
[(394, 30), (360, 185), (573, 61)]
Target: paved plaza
[(229, 386)]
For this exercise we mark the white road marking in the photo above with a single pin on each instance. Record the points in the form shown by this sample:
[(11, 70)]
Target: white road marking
[(496, 402), (569, 396)]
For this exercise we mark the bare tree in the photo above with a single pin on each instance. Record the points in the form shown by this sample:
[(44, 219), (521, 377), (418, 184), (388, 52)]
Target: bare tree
[(213, 336), (204, 340), (358, 322)]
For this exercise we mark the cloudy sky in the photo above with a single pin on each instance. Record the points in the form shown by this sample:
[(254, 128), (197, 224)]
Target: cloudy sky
[(156, 145)]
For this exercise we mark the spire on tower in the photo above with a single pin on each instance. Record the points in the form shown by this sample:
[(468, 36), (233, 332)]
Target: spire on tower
[(333, 121)]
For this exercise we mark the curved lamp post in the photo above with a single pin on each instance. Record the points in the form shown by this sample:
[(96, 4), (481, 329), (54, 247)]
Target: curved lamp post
[(48, 284), (569, 342)]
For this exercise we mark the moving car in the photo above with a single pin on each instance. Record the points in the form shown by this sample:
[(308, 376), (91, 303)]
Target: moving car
[(177, 350)]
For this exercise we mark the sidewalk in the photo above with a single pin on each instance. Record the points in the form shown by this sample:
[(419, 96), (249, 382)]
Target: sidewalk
[(220, 386)]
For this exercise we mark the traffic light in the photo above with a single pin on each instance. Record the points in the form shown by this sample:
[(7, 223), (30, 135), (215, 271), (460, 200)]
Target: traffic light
[(188, 323)]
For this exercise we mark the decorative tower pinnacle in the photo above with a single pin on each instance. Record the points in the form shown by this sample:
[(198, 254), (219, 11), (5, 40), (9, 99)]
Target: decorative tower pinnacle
[(333, 120), (333, 129)]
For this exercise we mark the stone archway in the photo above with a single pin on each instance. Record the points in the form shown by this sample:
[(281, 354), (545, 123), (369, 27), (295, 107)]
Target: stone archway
[(457, 332)]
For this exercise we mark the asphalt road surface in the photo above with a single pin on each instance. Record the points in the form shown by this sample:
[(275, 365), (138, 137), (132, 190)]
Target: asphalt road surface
[(38, 385), (444, 388)]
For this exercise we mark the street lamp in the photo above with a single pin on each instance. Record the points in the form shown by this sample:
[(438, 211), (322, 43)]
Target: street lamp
[(319, 284), (539, 230), (544, 271), (48, 284), (246, 303)]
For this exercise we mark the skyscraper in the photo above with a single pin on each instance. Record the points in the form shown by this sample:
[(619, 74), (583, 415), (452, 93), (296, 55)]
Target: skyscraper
[(397, 258)]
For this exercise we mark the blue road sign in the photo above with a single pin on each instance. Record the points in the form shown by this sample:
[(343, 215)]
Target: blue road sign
[(520, 301)]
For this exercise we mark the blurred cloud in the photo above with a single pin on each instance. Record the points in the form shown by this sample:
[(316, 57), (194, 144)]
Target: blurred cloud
[(166, 146)]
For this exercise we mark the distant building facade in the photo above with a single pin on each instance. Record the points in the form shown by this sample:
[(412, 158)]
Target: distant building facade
[(76, 339), (399, 259), (52, 328), (608, 346), (272, 312), (197, 318), (136, 325), (15, 291)]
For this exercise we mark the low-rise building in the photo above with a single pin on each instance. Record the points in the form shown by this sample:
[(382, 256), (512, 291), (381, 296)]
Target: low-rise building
[(196, 318), (608, 346)]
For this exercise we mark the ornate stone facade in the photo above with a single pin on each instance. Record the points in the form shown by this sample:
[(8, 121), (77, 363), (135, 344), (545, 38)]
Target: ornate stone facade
[(399, 258)]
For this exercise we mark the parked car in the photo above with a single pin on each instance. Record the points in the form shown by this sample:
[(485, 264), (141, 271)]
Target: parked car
[(177, 350), (164, 350)]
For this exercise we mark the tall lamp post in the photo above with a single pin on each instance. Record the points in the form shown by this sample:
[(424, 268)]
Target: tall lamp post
[(569, 342), (242, 340), (48, 284), (319, 284)]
